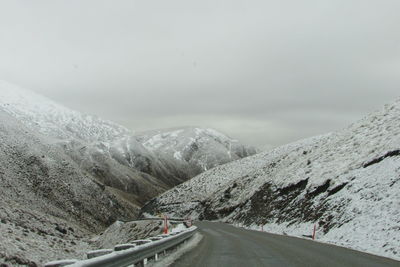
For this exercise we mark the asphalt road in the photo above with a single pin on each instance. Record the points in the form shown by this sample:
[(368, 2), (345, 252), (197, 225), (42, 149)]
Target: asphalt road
[(224, 245)]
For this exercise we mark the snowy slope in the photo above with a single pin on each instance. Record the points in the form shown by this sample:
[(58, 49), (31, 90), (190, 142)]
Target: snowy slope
[(52, 119), (197, 149), (346, 182), (38, 175), (46, 199)]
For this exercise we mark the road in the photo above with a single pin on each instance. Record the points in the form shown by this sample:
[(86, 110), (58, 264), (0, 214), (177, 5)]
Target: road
[(224, 245)]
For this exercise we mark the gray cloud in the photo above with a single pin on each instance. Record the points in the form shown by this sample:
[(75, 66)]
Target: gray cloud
[(265, 72)]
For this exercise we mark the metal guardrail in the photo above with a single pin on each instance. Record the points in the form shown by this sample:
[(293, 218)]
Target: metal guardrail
[(135, 255), (158, 219)]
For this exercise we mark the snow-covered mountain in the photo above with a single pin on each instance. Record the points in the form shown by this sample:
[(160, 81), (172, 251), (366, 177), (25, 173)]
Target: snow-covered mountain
[(347, 183), (104, 149), (113, 154), (195, 149)]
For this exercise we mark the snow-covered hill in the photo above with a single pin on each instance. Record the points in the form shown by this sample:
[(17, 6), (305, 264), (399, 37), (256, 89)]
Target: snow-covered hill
[(348, 183), (52, 119), (194, 149), (46, 199), (113, 154)]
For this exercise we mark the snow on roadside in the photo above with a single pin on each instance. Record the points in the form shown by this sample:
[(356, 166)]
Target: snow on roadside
[(179, 227)]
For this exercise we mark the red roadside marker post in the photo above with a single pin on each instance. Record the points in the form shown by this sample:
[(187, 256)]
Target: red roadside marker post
[(165, 224)]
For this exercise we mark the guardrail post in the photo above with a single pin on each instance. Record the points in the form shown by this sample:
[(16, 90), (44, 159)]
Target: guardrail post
[(188, 222), (315, 228), (142, 263)]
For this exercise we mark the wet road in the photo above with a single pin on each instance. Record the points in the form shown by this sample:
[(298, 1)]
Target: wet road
[(225, 245)]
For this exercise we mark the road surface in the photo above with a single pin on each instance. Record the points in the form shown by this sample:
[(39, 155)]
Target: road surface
[(224, 245)]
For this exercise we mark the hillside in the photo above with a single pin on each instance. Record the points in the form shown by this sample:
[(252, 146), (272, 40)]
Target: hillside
[(46, 199), (110, 152), (346, 182)]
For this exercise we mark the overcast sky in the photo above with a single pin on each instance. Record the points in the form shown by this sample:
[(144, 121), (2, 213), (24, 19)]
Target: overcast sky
[(264, 72)]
